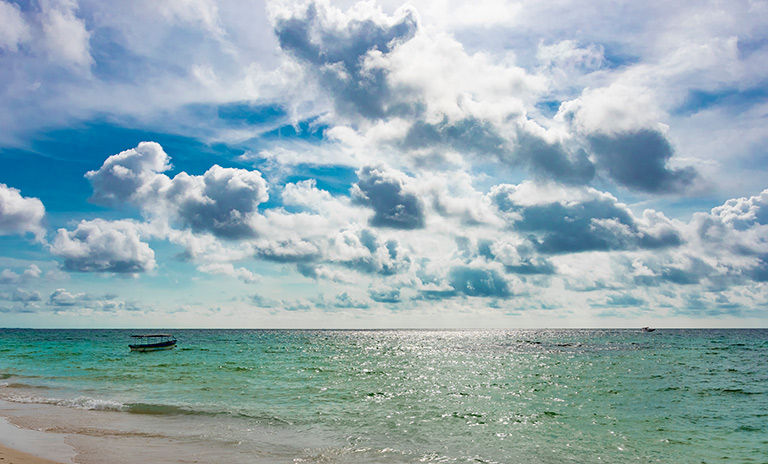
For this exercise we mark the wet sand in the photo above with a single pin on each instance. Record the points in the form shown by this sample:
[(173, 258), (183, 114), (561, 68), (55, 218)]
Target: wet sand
[(12, 456), (27, 446)]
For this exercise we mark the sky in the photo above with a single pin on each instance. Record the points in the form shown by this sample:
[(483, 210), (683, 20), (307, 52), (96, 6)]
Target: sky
[(334, 164)]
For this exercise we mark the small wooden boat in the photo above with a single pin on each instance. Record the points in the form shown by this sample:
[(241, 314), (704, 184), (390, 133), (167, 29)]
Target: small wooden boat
[(153, 342), (648, 329)]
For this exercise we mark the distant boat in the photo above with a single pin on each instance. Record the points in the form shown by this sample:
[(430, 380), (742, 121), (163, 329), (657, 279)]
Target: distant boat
[(648, 329), (153, 342)]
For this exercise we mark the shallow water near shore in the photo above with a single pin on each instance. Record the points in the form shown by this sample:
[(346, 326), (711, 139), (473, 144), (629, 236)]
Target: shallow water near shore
[(395, 396)]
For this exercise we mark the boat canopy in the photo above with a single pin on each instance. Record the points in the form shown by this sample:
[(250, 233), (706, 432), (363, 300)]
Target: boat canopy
[(152, 335)]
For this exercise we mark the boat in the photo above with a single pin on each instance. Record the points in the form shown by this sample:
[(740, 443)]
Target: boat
[(153, 342), (648, 329)]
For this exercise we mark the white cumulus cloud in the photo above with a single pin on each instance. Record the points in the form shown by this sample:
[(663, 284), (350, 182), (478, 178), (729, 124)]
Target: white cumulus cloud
[(20, 215), (104, 246)]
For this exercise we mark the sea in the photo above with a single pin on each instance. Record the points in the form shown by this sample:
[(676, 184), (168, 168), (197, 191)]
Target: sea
[(394, 396)]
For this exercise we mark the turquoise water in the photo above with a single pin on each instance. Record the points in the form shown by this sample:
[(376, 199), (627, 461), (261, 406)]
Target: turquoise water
[(406, 396)]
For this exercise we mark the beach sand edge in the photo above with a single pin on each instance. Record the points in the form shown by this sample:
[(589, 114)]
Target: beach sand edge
[(14, 456)]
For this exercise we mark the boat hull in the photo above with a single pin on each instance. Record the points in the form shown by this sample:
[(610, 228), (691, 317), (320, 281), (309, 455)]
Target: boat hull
[(153, 346)]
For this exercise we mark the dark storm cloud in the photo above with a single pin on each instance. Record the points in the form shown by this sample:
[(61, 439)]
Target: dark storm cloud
[(385, 193), (337, 56), (638, 160)]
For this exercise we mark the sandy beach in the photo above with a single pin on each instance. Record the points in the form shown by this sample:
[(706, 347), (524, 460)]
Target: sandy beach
[(26, 446), (12, 456)]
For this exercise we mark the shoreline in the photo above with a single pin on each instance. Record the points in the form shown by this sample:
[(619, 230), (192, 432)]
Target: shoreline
[(14, 456), (25, 446)]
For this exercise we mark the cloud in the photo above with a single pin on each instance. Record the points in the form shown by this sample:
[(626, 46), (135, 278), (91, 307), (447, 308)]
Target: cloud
[(638, 160), (62, 301), (466, 135), (64, 34), (729, 243), (518, 257), (594, 222), (551, 160), (567, 57), (104, 246), (335, 45), (386, 295), (24, 296), (386, 192), (8, 276), (429, 97), (203, 12), (14, 29), (479, 282), (288, 251), (54, 29), (129, 175), (263, 302), (223, 201), (744, 213), (343, 300), (364, 253), (61, 297), (624, 299), (20, 215), (228, 269)]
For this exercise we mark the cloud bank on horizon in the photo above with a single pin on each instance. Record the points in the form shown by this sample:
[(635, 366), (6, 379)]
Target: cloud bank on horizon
[(437, 163)]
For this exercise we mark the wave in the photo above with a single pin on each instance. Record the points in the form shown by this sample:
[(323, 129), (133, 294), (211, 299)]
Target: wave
[(164, 409), (96, 404), (19, 385), (81, 402)]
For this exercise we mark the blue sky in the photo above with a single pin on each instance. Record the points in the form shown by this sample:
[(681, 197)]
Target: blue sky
[(383, 164)]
